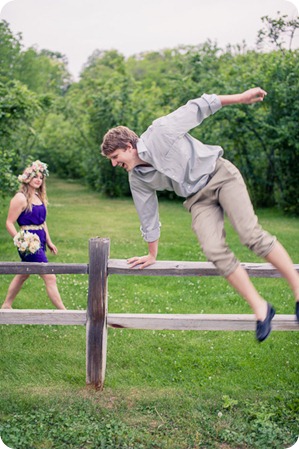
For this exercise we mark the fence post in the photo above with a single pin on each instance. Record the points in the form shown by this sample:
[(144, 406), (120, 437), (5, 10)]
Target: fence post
[(96, 323)]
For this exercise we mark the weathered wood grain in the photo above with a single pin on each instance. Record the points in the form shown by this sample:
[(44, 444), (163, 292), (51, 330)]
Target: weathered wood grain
[(53, 317), (120, 266), (200, 322), (96, 323), (42, 268), (207, 322), (177, 268)]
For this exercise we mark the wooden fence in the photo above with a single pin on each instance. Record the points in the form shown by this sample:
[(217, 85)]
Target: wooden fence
[(97, 319)]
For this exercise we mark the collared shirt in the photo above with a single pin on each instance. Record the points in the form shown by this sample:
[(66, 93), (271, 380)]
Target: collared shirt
[(177, 161)]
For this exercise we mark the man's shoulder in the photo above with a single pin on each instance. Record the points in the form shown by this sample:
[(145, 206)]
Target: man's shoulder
[(158, 133)]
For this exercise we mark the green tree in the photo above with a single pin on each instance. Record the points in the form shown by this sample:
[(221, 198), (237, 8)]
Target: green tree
[(276, 30), (9, 52), (43, 71), (30, 84), (282, 131), (18, 106), (73, 117)]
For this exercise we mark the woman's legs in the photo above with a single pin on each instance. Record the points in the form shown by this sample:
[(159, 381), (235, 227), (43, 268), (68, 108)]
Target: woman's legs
[(17, 283), (14, 288), (52, 290)]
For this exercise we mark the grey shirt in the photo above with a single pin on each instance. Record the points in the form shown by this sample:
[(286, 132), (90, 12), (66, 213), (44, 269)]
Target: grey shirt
[(177, 161)]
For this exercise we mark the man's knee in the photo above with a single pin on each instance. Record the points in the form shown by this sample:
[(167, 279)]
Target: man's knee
[(221, 256), (260, 242), (225, 263)]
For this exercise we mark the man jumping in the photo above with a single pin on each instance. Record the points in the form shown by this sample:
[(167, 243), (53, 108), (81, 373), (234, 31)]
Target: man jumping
[(167, 157)]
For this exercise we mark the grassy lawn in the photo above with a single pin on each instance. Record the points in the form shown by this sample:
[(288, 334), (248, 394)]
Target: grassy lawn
[(163, 389)]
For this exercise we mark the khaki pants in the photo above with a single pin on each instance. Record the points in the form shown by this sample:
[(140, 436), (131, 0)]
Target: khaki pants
[(226, 192)]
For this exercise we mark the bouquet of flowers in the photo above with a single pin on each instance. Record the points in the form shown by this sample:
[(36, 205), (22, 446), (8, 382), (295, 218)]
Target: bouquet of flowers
[(27, 242)]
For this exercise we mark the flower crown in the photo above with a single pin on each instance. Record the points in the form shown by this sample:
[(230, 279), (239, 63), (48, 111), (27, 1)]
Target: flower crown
[(31, 171)]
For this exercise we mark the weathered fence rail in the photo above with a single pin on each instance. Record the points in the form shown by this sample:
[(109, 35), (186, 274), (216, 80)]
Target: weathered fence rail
[(97, 319), (159, 321)]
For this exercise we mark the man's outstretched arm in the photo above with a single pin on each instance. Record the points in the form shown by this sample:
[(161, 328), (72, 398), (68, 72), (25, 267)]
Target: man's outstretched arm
[(250, 96)]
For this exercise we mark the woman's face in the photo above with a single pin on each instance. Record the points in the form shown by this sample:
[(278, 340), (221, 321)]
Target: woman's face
[(36, 181)]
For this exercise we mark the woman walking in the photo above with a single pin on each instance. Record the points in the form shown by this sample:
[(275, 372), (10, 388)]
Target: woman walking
[(28, 209)]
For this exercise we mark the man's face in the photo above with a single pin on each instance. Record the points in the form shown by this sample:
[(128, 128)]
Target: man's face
[(126, 159)]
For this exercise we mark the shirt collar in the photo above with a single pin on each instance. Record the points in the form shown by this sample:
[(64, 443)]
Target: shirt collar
[(144, 155), (141, 148)]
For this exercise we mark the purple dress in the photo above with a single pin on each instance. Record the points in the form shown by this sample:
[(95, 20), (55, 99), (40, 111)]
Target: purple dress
[(36, 217)]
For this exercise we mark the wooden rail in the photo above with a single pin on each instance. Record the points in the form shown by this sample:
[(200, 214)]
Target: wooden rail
[(97, 319), (150, 321)]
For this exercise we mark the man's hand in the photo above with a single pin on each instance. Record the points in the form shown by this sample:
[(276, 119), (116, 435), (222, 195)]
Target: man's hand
[(253, 95), (142, 262), (250, 96)]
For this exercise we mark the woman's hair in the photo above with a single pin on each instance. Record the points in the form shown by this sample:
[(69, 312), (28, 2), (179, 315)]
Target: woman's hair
[(41, 191), (118, 137)]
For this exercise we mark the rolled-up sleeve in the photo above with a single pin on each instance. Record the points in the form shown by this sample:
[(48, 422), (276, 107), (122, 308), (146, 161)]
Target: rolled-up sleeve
[(146, 203), (192, 114)]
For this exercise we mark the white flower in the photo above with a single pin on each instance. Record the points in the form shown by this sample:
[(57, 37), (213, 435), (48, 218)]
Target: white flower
[(23, 246), (27, 242)]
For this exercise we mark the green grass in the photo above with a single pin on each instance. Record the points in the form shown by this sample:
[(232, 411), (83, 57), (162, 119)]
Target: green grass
[(163, 389)]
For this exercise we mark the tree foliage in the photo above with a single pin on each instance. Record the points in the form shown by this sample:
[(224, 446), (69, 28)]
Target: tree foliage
[(31, 82), (18, 106), (63, 122), (276, 31), (9, 51)]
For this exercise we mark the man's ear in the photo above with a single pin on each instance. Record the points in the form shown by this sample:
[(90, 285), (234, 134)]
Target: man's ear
[(129, 146)]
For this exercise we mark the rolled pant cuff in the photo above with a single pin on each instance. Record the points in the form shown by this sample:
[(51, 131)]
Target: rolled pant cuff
[(229, 270)]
